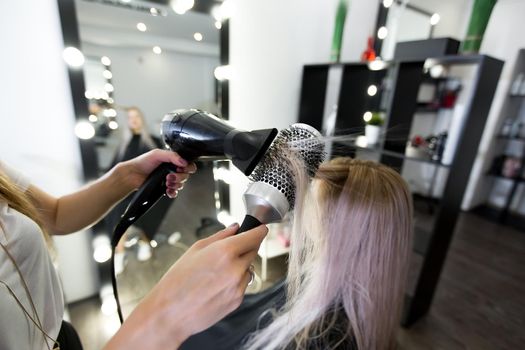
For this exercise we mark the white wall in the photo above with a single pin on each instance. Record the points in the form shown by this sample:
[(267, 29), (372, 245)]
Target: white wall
[(270, 42), (37, 121), (502, 40), (158, 84)]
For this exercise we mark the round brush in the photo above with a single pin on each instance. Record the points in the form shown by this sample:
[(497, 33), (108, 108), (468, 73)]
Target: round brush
[(272, 193)]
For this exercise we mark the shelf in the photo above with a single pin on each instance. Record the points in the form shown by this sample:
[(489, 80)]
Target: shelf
[(508, 138), (516, 96), (376, 149), (518, 179), (495, 214)]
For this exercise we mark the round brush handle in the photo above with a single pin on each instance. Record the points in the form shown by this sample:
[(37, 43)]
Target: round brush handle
[(248, 223)]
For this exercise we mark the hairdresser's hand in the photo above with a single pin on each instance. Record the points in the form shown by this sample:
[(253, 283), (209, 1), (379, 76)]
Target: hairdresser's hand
[(201, 288), (136, 170)]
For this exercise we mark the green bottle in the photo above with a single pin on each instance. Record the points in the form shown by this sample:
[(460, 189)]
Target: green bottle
[(337, 39)]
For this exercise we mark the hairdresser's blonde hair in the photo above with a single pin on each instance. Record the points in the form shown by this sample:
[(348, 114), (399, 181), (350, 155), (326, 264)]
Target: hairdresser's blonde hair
[(348, 261), (20, 201)]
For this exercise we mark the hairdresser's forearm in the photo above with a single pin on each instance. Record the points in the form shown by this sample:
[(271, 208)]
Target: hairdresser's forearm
[(88, 205), (81, 209)]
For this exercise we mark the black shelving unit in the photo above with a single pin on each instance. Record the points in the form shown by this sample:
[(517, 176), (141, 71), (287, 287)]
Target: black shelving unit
[(399, 85), (513, 105)]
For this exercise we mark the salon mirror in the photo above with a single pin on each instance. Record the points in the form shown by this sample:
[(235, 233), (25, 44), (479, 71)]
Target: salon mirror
[(142, 61)]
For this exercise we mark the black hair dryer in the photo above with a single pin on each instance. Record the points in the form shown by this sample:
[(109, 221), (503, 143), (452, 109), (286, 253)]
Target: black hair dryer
[(196, 134)]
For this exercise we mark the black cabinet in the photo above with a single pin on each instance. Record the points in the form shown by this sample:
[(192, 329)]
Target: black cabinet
[(505, 173), (397, 88)]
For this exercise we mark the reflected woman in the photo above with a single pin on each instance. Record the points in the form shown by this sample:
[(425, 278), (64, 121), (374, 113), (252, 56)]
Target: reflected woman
[(136, 141)]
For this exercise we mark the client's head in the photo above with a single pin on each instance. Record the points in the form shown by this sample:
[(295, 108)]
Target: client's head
[(348, 261)]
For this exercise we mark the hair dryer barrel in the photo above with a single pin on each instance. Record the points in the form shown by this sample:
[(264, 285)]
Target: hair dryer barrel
[(197, 134)]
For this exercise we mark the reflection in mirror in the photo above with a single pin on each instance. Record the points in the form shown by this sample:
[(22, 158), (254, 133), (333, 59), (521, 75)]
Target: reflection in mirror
[(144, 60), (404, 23)]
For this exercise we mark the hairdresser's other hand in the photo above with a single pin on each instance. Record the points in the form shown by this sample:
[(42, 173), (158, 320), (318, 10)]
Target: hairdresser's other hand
[(202, 287), (136, 170)]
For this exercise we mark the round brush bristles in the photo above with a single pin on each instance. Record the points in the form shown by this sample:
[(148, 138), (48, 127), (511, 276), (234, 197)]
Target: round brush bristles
[(299, 143)]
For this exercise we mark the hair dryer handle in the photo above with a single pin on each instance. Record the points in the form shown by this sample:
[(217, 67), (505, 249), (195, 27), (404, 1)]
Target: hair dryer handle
[(248, 223), (153, 188)]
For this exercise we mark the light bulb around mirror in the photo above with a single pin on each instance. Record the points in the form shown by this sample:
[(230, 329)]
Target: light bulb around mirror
[(73, 57), (222, 72), (107, 74), (372, 90), (382, 32), (157, 50), (105, 60), (84, 130), (113, 125)]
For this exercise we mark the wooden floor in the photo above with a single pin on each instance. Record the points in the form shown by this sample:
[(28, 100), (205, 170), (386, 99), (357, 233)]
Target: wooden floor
[(479, 303)]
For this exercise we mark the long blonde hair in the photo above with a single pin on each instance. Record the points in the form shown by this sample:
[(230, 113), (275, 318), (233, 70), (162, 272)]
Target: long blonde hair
[(145, 136), (348, 262), (21, 202)]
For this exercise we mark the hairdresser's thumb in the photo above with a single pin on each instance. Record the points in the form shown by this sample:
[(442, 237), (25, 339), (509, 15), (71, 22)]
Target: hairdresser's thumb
[(222, 234)]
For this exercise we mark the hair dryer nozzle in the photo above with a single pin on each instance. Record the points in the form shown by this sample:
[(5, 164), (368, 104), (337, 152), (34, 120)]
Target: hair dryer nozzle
[(196, 134)]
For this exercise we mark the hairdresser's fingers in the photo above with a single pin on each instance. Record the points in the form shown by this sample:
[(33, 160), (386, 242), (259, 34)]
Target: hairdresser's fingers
[(190, 169), (249, 240), (164, 156), (172, 193), (222, 234), (177, 177)]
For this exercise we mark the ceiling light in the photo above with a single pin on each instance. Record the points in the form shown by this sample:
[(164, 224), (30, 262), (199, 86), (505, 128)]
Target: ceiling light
[(157, 50), (435, 19), (367, 116), (218, 24), (105, 60), (107, 74), (181, 6), (141, 27), (387, 3), (197, 36), (372, 90), (73, 57), (84, 130), (382, 32)]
